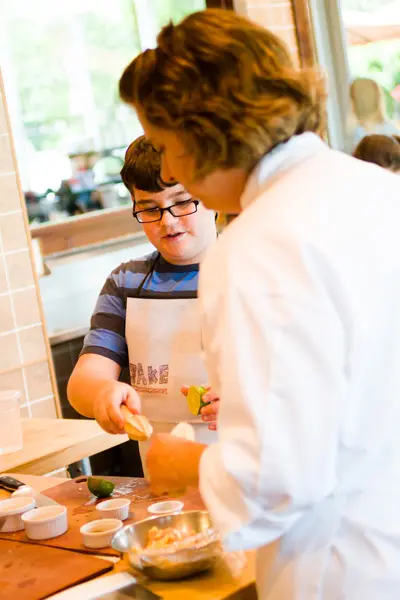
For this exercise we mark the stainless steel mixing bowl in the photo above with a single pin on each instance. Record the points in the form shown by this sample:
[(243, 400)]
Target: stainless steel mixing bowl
[(170, 563)]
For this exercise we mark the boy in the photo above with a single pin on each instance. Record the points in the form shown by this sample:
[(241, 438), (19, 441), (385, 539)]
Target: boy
[(147, 312)]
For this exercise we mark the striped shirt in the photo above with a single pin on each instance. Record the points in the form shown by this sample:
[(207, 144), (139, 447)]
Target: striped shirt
[(148, 277)]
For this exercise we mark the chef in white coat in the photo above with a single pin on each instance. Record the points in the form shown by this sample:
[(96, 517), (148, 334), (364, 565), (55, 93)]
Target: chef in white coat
[(301, 321)]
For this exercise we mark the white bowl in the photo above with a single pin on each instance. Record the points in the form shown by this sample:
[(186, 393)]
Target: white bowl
[(45, 522), (13, 509), (23, 491), (165, 508), (117, 508), (99, 533)]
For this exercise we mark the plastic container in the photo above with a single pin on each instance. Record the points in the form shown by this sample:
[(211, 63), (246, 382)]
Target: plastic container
[(10, 422), (13, 509), (117, 508), (45, 522)]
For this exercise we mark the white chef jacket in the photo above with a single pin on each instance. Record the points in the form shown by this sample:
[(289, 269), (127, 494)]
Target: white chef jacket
[(300, 301)]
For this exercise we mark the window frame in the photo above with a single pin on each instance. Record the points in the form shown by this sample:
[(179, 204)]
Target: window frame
[(331, 54)]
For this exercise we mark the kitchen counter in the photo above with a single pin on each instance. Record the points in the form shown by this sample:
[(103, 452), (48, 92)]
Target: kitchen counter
[(70, 291), (50, 444), (217, 584), (58, 336)]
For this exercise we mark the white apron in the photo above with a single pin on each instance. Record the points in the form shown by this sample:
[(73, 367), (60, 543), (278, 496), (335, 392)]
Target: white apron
[(164, 347)]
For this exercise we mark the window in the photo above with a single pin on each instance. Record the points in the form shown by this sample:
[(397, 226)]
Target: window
[(61, 63), (359, 40), (373, 53)]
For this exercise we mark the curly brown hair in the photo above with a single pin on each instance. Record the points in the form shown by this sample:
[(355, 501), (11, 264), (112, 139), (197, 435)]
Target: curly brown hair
[(227, 86), (383, 150)]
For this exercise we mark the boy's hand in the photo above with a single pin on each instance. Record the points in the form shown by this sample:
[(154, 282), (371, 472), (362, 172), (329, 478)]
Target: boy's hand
[(208, 413), (106, 408)]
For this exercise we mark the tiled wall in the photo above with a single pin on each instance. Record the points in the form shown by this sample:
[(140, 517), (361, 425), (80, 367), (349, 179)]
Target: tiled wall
[(25, 362), (276, 15)]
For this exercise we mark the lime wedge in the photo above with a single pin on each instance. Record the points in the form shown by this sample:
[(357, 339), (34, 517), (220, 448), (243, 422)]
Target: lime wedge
[(194, 399), (100, 487)]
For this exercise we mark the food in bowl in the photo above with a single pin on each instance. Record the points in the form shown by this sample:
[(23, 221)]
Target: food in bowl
[(192, 554), (164, 538)]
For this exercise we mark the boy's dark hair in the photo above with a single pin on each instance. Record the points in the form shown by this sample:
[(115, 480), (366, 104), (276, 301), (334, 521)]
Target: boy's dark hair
[(383, 150), (142, 167)]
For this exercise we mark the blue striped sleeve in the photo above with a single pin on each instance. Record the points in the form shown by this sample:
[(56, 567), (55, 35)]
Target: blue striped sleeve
[(106, 343), (107, 327), (107, 303)]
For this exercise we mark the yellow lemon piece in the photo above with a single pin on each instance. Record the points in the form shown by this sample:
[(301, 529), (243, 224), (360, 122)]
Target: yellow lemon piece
[(194, 399), (137, 427)]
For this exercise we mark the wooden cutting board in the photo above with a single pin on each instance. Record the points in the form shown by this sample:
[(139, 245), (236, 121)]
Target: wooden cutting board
[(29, 572), (81, 505)]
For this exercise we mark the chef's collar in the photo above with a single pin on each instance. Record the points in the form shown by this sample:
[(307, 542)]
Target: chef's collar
[(282, 158)]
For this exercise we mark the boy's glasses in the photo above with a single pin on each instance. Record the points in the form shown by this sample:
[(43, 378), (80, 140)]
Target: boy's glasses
[(180, 209)]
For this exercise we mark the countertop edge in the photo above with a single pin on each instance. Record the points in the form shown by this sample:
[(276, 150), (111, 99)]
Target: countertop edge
[(66, 335)]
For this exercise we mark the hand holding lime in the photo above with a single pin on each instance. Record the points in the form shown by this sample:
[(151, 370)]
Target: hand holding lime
[(195, 399), (101, 488)]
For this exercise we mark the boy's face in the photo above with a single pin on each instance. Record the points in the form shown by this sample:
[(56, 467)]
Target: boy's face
[(180, 240)]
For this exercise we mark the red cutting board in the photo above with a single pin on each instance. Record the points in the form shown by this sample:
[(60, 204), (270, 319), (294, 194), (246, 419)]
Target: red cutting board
[(30, 572), (81, 505)]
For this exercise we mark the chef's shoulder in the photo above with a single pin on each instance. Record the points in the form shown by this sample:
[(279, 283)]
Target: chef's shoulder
[(303, 220), (265, 240), (224, 258)]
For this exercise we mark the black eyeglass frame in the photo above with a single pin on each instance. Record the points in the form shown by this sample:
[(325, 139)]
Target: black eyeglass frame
[(135, 213)]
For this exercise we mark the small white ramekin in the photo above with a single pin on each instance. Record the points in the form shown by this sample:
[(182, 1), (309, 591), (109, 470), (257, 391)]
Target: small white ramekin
[(165, 508), (99, 533), (13, 509), (45, 522), (117, 508)]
